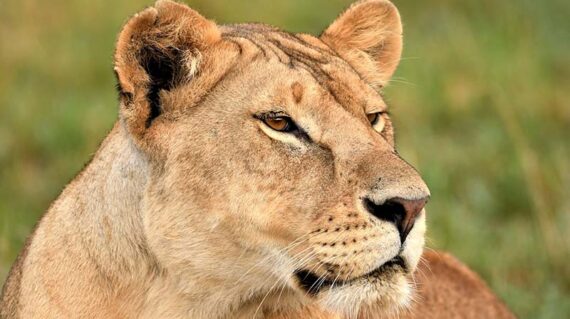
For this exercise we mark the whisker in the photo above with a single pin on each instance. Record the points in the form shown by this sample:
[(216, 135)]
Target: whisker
[(292, 245)]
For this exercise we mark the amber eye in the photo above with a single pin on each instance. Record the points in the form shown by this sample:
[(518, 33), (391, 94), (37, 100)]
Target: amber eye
[(377, 121), (280, 123), (373, 117)]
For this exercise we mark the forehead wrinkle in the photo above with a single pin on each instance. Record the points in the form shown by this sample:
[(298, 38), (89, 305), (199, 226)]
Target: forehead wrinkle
[(335, 76), (297, 53)]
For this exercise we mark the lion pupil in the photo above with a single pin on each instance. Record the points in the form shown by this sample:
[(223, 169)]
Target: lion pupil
[(372, 117)]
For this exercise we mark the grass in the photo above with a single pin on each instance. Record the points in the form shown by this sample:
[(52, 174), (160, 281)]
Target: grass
[(481, 106)]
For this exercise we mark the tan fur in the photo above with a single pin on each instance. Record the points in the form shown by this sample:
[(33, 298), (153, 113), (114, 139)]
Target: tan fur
[(193, 207)]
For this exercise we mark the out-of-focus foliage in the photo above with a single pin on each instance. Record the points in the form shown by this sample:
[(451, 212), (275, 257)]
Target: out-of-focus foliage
[(480, 101)]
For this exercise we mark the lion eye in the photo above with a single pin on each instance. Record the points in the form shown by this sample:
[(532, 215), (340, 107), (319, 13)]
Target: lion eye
[(280, 123), (373, 117), (377, 121)]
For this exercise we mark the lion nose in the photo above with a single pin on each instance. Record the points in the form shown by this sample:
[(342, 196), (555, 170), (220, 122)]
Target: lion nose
[(399, 211)]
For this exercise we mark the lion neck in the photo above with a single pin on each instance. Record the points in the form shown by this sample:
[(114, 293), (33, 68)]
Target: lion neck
[(106, 204)]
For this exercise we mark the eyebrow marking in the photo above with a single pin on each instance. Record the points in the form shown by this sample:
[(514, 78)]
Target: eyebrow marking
[(297, 92)]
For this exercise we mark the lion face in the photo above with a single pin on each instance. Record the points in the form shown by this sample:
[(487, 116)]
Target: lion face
[(274, 169)]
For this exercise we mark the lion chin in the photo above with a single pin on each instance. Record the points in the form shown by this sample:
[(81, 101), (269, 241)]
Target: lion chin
[(386, 290)]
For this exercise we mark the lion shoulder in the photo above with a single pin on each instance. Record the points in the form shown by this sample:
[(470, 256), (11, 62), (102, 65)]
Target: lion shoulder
[(449, 289)]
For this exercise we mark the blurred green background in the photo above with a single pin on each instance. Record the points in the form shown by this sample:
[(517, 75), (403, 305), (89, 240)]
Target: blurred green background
[(481, 104)]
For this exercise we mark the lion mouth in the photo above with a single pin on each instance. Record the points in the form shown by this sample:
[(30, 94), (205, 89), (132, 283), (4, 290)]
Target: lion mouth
[(313, 284)]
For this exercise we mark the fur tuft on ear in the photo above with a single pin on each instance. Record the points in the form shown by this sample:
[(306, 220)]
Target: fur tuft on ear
[(369, 36), (158, 49)]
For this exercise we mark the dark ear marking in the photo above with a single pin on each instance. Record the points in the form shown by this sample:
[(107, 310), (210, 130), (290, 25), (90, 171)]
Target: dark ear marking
[(158, 50), (165, 70)]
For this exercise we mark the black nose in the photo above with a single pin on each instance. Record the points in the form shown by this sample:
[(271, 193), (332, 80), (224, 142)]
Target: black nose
[(401, 212)]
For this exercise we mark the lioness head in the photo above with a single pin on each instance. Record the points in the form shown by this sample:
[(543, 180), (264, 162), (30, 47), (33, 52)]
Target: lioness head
[(273, 169)]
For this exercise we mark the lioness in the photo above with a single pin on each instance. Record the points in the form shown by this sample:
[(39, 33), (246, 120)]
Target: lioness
[(251, 174)]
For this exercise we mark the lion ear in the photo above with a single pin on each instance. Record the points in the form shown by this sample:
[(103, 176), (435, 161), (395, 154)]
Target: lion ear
[(158, 49), (368, 35)]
